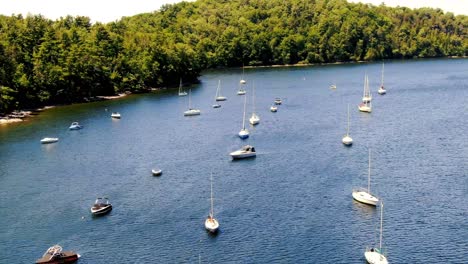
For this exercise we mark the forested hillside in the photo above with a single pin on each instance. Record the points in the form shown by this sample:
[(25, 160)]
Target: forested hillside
[(70, 59)]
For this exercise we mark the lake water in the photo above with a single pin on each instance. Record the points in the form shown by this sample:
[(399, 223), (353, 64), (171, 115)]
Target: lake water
[(291, 204)]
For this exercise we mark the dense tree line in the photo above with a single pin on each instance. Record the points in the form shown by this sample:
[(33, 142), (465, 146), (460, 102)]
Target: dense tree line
[(70, 59)]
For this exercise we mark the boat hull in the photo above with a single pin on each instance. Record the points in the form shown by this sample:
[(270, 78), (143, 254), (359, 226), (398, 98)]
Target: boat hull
[(364, 108), (373, 257), (241, 92), (347, 141), (49, 140), (156, 172), (101, 211), (183, 94), (192, 112), (273, 109), (69, 257), (365, 197), (216, 106), (380, 91), (211, 225), (221, 98), (243, 134)]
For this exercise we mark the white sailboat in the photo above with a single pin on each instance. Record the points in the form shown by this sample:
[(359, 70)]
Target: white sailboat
[(254, 119), (375, 255), (366, 105), (242, 81), (382, 88), (181, 92), (347, 140), (366, 97), (219, 97), (190, 111), (363, 195), (244, 133), (216, 104), (211, 224)]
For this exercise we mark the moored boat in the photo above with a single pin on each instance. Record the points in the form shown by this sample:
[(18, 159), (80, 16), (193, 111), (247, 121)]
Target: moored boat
[(156, 172), (48, 140), (55, 255), (273, 109), (101, 206), (278, 101), (246, 151), (115, 115), (75, 126)]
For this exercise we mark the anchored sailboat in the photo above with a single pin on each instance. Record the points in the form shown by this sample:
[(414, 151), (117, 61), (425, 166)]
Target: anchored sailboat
[(363, 195), (181, 92), (190, 111), (219, 97), (254, 119), (382, 88), (211, 224), (347, 140), (366, 105), (244, 133), (375, 255)]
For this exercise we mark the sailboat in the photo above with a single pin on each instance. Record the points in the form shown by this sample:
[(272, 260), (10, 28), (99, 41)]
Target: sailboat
[(219, 97), (347, 140), (365, 196), (254, 119), (190, 111), (211, 224), (181, 92), (216, 105), (244, 133), (366, 105), (366, 97), (242, 81), (382, 88), (375, 255)]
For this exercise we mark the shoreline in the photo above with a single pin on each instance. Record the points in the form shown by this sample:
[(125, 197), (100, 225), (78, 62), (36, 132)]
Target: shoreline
[(18, 116)]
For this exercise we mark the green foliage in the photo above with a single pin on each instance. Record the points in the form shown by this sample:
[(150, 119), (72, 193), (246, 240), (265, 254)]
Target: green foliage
[(71, 59)]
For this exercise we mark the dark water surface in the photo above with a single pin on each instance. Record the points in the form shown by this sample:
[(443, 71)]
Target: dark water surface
[(291, 204)]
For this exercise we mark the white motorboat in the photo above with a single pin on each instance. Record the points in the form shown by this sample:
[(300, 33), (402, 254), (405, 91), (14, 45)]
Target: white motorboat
[(254, 119), (48, 140), (55, 255), (382, 89), (363, 195), (241, 91), (347, 140), (216, 105), (375, 255), (156, 172), (333, 86), (190, 111), (273, 109), (75, 126), (278, 101), (246, 151), (218, 96), (181, 91), (101, 206), (115, 115), (244, 133), (211, 224)]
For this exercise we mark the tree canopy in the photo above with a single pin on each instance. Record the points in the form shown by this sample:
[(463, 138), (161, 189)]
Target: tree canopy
[(70, 59)]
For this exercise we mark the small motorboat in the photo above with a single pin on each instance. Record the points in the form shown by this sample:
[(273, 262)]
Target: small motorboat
[(48, 140), (75, 126), (246, 151), (273, 108), (101, 206), (55, 255), (216, 106), (278, 101), (115, 115), (156, 172), (241, 92)]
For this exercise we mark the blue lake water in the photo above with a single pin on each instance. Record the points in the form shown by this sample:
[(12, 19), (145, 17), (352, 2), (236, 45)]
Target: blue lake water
[(291, 204)]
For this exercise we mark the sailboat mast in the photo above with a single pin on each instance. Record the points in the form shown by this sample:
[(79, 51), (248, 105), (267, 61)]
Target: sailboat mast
[(253, 97), (347, 130), (211, 210), (368, 178), (381, 225), (381, 85), (243, 118), (190, 99)]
